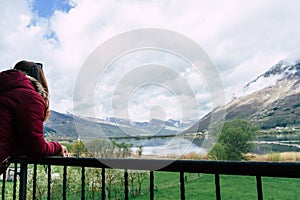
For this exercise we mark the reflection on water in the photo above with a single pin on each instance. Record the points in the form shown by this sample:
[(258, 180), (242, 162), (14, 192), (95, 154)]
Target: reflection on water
[(167, 146), (264, 147), (177, 146)]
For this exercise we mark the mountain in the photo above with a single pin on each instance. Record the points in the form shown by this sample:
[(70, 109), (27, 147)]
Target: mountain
[(72, 127), (60, 125), (69, 126), (170, 127), (170, 123), (283, 70), (271, 100)]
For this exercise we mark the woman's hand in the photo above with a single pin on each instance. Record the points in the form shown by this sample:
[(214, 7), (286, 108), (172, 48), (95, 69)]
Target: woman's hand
[(64, 152)]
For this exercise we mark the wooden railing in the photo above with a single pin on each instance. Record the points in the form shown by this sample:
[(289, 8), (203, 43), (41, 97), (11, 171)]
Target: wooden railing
[(256, 169)]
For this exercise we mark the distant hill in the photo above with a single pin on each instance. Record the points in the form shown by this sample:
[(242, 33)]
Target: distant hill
[(60, 125), (271, 100), (69, 126), (63, 126)]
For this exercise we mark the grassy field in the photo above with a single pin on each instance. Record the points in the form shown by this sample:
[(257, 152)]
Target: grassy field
[(232, 187), (201, 186)]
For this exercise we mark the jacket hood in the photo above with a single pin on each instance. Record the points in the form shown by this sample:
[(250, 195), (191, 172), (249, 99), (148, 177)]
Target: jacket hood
[(12, 79)]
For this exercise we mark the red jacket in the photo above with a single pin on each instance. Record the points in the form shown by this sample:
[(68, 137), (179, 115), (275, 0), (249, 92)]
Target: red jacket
[(22, 112)]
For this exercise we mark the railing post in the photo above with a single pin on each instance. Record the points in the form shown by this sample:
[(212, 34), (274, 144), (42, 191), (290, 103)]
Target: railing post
[(65, 183), (259, 188), (103, 194), (3, 184), (34, 181), (23, 181), (15, 181), (182, 188), (151, 185), (82, 183), (217, 184), (49, 183), (126, 184)]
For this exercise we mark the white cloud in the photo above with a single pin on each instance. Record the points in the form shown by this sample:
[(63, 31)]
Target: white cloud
[(242, 38)]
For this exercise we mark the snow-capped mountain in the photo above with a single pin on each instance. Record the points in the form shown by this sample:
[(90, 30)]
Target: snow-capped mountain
[(154, 126), (282, 70), (271, 100), (72, 126)]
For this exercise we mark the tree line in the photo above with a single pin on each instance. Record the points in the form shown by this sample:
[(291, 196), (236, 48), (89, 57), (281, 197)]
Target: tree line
[(234, 141)]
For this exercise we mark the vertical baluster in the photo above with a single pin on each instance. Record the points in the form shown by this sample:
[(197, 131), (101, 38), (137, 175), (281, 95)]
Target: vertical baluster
[(126, 184), (217, 184), (3, 184), (151, 185), (82, 183), (15, 181), (182, 188), (23, 181), (49, 183), (34, 181), (65, 183), (103, 183), (259, 188)]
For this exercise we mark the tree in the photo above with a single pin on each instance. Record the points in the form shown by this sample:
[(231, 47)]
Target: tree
[(132, 176), (218, 152), (139, 151), (77, 148), (142, 175), (234, 139), (123, 149)]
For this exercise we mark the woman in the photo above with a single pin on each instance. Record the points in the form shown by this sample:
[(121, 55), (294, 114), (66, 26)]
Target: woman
[(24, 106)]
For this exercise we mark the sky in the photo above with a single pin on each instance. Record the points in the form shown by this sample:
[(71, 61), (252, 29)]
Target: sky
[(243, 39)]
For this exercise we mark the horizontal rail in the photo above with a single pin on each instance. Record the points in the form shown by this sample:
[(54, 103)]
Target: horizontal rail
[(270, 169)]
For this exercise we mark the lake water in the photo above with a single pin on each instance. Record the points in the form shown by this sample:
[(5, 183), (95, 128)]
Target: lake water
[(177, 146), (166, 146)]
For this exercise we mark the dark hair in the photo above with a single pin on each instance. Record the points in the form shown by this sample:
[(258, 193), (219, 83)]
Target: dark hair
[(35, 70)]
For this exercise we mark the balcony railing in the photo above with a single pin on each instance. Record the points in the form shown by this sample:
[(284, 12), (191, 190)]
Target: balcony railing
[(256, 169)]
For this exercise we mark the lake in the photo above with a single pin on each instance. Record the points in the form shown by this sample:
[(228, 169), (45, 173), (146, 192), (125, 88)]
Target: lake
[(166, 146), (177, 146)]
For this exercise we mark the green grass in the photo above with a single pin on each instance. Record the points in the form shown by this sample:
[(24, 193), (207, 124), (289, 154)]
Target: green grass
[(232, 187), (202, 186), (281, 188)]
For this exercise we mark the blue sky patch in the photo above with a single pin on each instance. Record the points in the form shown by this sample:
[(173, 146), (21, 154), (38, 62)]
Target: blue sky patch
[(47, 8)]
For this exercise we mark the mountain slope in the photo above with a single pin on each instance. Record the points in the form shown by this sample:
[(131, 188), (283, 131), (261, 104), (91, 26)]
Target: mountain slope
[(73, 127), (274, 102), (68, 126)]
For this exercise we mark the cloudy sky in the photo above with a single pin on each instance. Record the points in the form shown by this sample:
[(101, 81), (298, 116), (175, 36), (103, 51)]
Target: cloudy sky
[(243, 39)]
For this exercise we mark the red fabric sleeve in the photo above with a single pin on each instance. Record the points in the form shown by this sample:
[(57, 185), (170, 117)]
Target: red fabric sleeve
[(30, 136)]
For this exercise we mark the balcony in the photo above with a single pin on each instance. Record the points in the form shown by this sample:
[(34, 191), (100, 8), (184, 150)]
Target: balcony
[(28, 166)]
